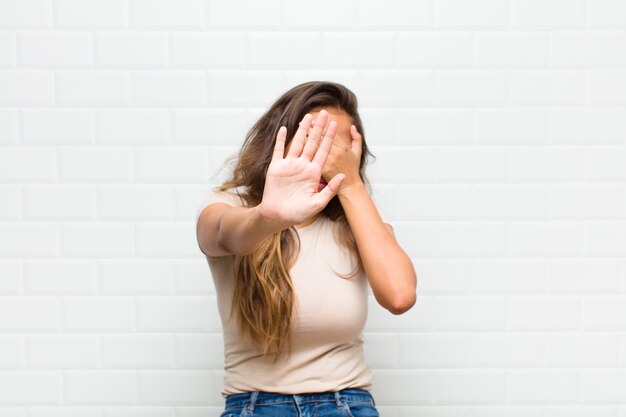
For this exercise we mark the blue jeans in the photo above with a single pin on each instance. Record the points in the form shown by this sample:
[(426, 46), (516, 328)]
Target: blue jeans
[(349, 402)]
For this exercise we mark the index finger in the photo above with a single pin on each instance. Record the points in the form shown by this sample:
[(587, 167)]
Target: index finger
[(279, 146)]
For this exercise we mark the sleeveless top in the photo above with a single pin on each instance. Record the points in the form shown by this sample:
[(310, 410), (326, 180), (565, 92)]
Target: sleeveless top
[(327, 325)]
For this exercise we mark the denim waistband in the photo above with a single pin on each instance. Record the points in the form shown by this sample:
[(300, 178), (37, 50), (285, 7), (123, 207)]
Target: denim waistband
[(260, 397)]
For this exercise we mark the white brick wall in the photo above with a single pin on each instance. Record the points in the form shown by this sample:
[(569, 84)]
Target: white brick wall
[(499, 128)]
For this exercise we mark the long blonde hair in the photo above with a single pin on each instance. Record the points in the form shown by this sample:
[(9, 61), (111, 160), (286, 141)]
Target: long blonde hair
[(264, 294)]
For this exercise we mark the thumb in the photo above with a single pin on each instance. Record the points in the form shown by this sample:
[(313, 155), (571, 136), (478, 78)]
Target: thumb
[(328, 192)]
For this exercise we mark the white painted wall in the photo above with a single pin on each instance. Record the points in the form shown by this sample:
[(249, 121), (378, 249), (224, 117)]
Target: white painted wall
[(499, 128)]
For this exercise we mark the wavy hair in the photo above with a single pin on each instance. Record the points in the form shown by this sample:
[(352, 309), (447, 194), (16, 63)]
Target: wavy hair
[(264, 294)]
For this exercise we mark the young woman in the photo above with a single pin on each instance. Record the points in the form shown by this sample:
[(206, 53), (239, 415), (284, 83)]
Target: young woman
[(293, 240)]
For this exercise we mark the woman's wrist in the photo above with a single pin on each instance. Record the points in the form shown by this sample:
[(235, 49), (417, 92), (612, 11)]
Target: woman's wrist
[(265, 221), (349, 186)]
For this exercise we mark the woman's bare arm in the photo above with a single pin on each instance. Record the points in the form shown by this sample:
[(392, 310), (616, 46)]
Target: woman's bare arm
[(388, 268), (227, 230)]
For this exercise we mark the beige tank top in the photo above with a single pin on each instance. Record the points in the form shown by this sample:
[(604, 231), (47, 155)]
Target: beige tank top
[(327, 345)]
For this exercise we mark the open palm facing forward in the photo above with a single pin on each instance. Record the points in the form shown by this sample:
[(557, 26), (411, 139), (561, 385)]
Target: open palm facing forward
[(290, 195)]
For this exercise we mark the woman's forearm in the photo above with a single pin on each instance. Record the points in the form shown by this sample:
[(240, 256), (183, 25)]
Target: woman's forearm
[(388, 268), (242, 229)]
